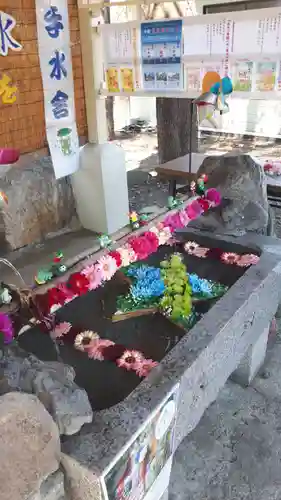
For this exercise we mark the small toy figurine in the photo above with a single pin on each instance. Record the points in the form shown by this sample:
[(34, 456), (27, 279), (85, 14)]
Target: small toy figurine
[(198, 187), (143, 219), (54, 270), (5, 296), (134, 220), (43, 276), (193, 187), (174, 202), (105, 241)]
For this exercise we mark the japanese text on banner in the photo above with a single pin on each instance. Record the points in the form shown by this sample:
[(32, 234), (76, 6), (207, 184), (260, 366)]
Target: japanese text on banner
[(56, 69)]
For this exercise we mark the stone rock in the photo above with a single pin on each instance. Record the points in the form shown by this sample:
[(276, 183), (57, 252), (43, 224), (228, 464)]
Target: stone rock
[(38, 204), (242, 184), (29, 443), (53, 383), (81, 483)]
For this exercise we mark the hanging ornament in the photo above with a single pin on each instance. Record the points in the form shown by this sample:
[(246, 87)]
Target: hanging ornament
[(213, 99)]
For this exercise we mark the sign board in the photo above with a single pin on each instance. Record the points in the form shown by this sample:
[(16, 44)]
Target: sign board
[(244, 45), (56, 70), (134, 472)]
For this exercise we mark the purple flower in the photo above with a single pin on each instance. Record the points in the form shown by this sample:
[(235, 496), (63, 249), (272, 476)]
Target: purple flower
[(6, 328)]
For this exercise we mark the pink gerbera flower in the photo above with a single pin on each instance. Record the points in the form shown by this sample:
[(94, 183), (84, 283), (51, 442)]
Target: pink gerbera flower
[(191, 247), (130, 360), (95, 348), (94, 275), (201, 252), (127, 255), (61, 329), (107, 266), (144, 367), (247, 260), (230, 258), (88, 270)]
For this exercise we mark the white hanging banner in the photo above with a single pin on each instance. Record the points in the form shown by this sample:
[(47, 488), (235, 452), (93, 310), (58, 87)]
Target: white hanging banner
[(57, 76)]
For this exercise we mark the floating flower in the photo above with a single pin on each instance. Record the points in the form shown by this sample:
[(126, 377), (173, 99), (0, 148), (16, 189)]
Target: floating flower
[(200, 285), (153, 240), (173, 221), (144, 289), (194, 210), (78, 283), (129, 360), (60, 330), (6, 328), (247, 260), (117, 257), (191, 247), (107, 266), (213, 196), (83, 339), (205, 204), (94, 275), (127, 255), (163, 233), (88, 271), (145, 366), (141, 247), (95, 348), (229, 258), (55, 297), (201, 252), (184, 218)]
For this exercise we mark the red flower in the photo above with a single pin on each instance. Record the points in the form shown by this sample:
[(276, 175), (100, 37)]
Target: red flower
[(113, 352), (68, 293), (78, 283), (117, 257), (267, 167), (141, 247), (153, 240), (55, 296), (204, 204)]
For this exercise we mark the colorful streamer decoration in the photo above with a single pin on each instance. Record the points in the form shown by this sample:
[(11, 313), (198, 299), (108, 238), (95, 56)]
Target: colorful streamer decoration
[(214, 96)]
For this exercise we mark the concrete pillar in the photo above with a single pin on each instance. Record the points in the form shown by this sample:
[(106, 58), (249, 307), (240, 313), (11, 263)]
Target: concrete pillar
[(252, 361), (100, 188)]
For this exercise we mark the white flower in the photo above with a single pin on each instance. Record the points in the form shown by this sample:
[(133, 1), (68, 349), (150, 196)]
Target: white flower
[(83, 339)]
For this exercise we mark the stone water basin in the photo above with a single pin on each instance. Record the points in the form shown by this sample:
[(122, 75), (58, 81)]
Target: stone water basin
[(153, 335)]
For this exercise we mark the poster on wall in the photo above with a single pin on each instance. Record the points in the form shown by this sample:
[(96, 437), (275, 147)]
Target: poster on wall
[(120, 52), (266, 76), (242, 76), (161, 55), (56, 70), (136, 469)]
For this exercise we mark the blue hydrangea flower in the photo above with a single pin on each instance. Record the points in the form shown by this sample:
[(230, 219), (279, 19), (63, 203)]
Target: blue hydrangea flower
[(199, 285), (148, 284), (142, 272), (144, 289)]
